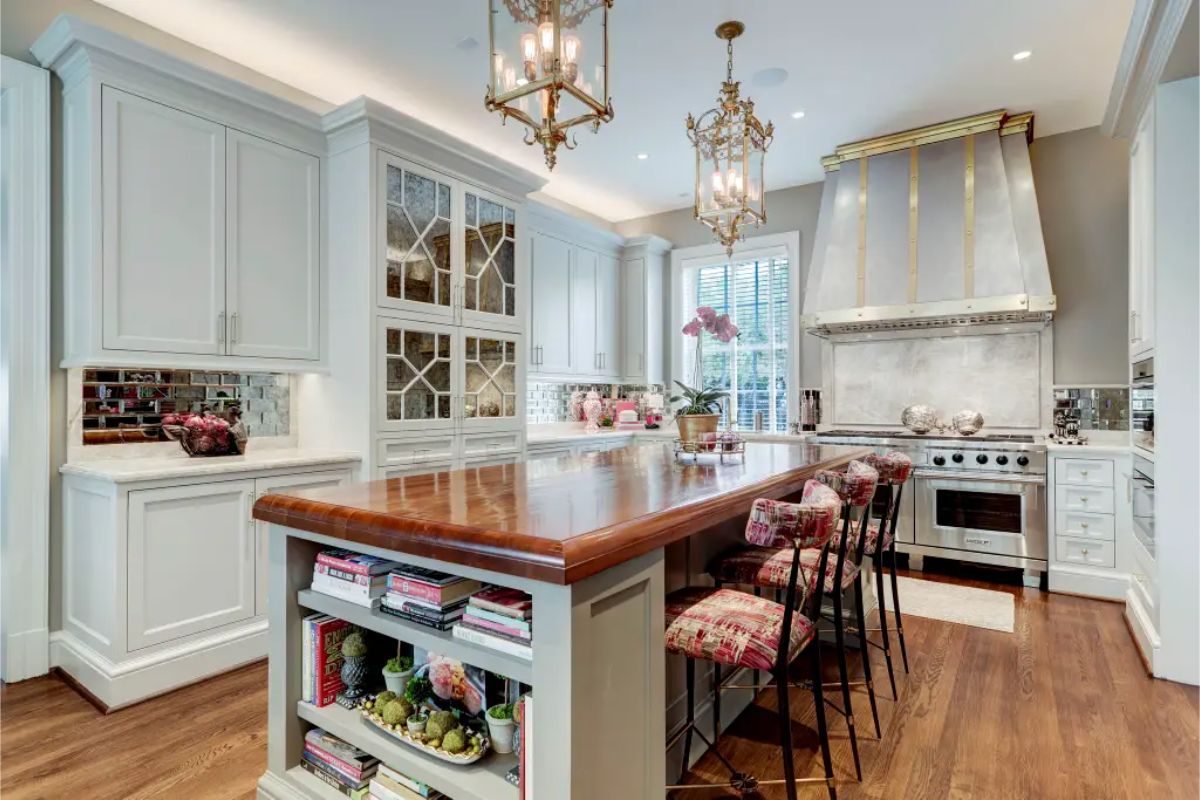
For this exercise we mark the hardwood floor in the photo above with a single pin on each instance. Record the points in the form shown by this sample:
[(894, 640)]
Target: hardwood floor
[(1061, 708)]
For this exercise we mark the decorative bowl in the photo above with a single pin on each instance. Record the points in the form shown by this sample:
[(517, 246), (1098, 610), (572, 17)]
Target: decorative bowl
[(919, 418), (967, 422), (402, 733)]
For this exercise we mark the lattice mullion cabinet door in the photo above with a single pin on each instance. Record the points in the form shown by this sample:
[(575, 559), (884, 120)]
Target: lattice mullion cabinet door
[(495, 262), (492, 377), (419, 244), (419, 366)]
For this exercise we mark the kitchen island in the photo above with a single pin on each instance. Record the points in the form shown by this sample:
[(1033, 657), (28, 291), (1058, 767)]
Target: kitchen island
[(585, 536)]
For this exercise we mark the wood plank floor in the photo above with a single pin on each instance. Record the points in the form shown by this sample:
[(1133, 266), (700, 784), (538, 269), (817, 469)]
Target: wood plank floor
[(1059, 709)]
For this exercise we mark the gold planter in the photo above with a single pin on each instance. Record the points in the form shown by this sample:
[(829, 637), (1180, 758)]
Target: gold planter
[(693, 426)]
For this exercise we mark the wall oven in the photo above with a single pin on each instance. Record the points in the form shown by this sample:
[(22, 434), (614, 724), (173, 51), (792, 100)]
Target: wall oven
[(988, 513), (1143, 502), (1141, 404)]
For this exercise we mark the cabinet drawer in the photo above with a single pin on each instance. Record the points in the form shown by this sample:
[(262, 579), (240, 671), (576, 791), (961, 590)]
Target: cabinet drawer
[(535, 453), (486, 444), (609, 442), (1081, 498), (421, 468), (1084, 472), (407, 452), (1091, 552), (491, 461), (1085, 525)]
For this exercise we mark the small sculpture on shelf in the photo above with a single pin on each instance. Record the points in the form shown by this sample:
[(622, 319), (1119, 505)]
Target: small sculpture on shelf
[(593, 407), (207, 434), (354, 668)]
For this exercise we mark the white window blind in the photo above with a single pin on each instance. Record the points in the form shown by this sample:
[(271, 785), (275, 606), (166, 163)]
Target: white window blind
[(752, 368)]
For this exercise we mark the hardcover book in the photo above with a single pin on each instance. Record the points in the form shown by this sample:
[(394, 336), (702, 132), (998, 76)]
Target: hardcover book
[(437, 594), (491, 640), (357, 563), (412, 784), (341, 755), (507, 631), (502, 600), (361, 793), (425, 621)]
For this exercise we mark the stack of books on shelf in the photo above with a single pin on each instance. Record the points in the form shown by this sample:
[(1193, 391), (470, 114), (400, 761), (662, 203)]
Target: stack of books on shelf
[(427, 597), (388, 784), (322, 657), (339, 764), (352, 577), (499, 618)]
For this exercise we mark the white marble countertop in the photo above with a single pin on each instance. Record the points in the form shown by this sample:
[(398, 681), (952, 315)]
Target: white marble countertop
[(1099, 443), (570, 432), (128, 470)]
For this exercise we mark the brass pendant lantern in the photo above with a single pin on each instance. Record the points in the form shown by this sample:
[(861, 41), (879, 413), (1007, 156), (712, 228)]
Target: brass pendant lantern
[(549, 67), (731, 145)]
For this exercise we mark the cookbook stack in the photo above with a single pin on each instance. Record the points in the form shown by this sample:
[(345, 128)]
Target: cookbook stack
[(352, 577), (499, 618), (427, 597), (338, 763)]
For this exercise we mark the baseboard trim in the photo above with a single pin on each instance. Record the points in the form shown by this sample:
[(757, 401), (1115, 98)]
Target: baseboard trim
[(114, 685), (26, 655), (1090, 583), (1145, 638)]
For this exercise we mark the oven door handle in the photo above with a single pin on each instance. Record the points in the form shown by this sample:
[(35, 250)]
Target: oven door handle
[(988, 477)]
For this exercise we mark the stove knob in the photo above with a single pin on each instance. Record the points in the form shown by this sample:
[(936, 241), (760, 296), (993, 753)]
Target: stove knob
[(1001, 460), (957, 457), (1023, 461), (939, 461), (981, 458)]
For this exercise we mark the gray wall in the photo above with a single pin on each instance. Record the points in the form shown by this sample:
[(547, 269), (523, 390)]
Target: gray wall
[(1082, 181)]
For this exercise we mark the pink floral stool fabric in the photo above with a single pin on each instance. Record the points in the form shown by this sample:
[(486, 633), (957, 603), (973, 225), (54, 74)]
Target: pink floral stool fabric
[(770, 569), (730, 627), (893, 467), (856, 485)]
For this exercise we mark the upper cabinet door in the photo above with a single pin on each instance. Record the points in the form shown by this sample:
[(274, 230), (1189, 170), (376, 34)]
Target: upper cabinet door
[(608, 315), (273, 276), (633, 328), (550, 287), (492, 276), (417, 224), (417, 375), (492, 382), (584, 354), (163, 227)]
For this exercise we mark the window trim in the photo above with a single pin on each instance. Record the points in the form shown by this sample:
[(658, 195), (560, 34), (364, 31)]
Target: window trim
[(754, 247)]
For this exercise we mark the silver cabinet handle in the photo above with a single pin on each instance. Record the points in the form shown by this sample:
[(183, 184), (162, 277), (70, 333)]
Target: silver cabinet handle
[(233, 328), (1133, 336), (221, 327), (641, 361)]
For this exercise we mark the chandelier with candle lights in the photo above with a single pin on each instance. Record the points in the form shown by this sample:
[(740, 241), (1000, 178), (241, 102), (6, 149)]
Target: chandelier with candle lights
[(549, 67), (731, 145)]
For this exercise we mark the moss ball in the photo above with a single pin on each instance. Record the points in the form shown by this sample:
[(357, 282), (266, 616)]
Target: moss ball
[(396, 712), (383, 698), (454, 741)]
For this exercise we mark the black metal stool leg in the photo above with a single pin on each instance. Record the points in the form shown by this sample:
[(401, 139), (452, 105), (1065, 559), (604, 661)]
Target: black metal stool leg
[(896, 609), (822, 728), (716, 684), (883, 626), (866, 657), (839, 633), (785, 732), (757, 673), (691, 717)]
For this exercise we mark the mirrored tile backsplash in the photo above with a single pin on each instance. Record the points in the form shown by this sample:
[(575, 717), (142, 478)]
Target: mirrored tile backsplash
[(1096, 408), (127, 405), (551, 402)]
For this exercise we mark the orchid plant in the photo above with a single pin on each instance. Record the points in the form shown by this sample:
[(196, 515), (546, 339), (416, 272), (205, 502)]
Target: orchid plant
[(696, 399)]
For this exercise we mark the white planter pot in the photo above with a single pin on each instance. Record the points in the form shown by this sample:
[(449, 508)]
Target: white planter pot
[(397, 681), (501, 731)]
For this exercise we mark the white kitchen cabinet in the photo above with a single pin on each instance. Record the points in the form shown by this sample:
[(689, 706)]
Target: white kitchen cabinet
[(161, 568), (584, 354), (550, 314), (164, 228), (643, 267), (1141, 237), (273, 485), (418, 365), (1091, 535), (608, 315), (273, 255), (492, 378), (191, 214), (191, 560), (491, 294)]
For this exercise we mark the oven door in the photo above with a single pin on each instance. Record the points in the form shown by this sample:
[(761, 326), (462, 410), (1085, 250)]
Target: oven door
[(1001, 514)]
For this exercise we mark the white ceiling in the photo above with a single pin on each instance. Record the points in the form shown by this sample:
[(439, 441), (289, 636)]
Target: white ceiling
[(857, 68)]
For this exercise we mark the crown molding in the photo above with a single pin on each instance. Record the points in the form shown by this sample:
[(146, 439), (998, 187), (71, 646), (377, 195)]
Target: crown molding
[(365, 119), (555, 222), (1153, 29), (655, 245)]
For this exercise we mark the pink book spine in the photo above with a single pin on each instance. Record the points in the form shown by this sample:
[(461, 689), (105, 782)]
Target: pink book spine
[(421, 591), (330, 758), (496, 626), (338, 563)]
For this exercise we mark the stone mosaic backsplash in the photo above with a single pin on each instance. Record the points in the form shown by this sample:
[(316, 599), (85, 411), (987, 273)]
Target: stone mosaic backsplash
[(1097, 409), (551, 402), (127, 405)]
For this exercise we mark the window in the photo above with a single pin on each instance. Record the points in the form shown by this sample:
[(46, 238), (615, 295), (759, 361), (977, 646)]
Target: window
[(753, 368)]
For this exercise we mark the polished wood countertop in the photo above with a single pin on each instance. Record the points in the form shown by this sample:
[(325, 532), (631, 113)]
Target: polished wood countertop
[(555, 520)]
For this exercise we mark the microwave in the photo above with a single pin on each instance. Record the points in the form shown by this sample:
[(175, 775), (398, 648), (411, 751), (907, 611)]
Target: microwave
[(1141, 404)]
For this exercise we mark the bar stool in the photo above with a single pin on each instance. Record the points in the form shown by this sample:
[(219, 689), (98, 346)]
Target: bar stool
[(894, 470), (766, 568), (739, 629)]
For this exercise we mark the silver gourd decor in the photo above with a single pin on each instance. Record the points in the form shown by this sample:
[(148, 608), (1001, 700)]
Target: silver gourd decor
[(967, 422), (919, 418)]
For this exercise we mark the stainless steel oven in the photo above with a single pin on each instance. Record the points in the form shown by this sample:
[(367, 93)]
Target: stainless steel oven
[(1141, 403), (996, 513), (1143, 502)]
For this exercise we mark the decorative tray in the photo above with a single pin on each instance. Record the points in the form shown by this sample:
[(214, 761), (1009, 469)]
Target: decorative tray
[(691, 450), (401, 733)]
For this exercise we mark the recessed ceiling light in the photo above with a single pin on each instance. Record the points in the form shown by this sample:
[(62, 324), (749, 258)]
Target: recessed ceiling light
[(773, 76), (467, 43), (797, 115), (643, 156), (1021, 56)]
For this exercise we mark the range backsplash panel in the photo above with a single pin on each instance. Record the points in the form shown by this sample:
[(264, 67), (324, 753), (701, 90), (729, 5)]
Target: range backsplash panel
[(127, 405)]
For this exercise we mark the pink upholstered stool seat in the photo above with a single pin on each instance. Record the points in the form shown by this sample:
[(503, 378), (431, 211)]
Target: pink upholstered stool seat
[(730, 627)]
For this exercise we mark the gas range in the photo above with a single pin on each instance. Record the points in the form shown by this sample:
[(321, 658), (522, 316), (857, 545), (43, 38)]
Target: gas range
[(1000, 453)]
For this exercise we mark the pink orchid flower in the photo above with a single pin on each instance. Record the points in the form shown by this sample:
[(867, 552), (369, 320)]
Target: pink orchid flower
[(725, 329), (693, 328), (708, 316)]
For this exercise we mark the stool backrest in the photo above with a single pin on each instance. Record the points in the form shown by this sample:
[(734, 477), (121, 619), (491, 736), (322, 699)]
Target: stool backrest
[(894, 469), (809, 523)]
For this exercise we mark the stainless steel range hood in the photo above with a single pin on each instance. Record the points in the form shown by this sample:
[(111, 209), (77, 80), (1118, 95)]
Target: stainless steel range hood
[(929, 228)]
